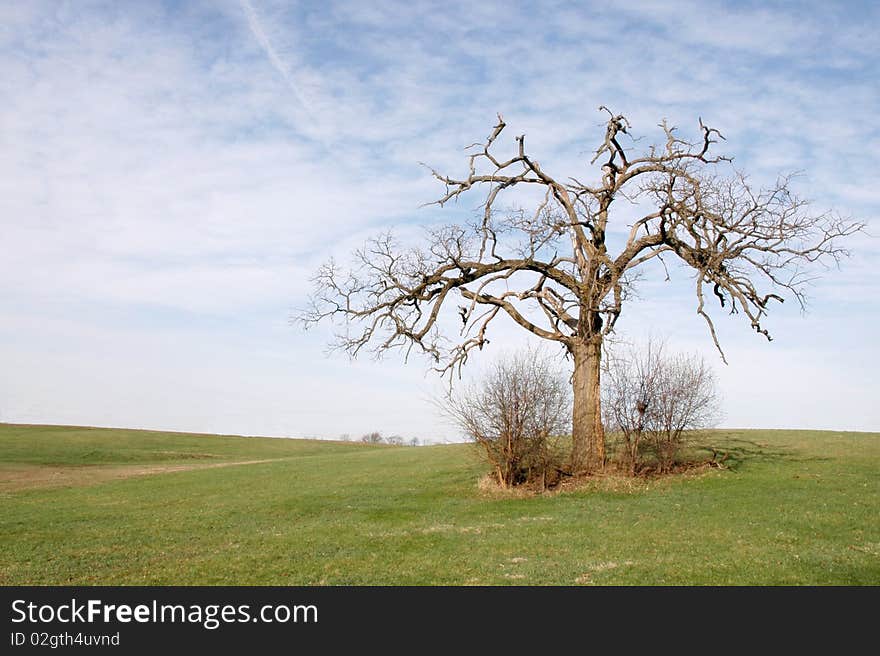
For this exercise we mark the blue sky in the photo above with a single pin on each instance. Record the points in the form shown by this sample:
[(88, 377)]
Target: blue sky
[(171, 174)]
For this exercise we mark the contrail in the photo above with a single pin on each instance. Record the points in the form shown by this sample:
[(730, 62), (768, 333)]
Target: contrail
[(261, 36)]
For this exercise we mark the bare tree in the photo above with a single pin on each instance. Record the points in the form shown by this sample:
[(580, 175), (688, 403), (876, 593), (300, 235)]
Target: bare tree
[(684, 400), (512, 414), (656, 400), (550, 269), (629, 383), (373, 437)]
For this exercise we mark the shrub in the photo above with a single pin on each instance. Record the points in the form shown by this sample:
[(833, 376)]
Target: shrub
[(512, 415), (654, 401)]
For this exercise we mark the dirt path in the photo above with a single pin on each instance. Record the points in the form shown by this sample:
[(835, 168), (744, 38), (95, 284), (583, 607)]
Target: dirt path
[(17, 477)]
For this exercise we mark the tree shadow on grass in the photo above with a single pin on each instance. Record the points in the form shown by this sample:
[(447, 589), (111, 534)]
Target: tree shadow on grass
[(732, 451)]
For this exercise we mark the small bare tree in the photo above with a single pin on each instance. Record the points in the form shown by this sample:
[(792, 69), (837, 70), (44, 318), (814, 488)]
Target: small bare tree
[(656, 400), (513, 414), (629, 380), (686, 400), (552, 269), (373, 437)]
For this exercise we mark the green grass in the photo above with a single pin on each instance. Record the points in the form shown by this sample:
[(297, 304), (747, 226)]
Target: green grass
[(796, 507)]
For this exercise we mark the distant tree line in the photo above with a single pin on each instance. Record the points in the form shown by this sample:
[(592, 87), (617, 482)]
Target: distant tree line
[(375, 437)]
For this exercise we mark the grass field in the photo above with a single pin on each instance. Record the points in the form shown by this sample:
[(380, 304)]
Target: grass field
[(104, 506)]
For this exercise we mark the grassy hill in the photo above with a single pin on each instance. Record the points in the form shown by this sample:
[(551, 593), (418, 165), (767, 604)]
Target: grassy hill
[(105, 506)]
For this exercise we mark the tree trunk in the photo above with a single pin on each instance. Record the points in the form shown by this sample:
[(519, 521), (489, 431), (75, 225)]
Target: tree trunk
[(588, 434)]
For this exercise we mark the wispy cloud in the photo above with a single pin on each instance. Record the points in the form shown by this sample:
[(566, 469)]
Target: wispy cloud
[(260, 35)]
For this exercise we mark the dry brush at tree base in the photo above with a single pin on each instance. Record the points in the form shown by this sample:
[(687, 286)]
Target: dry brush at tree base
[(550, 269)]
